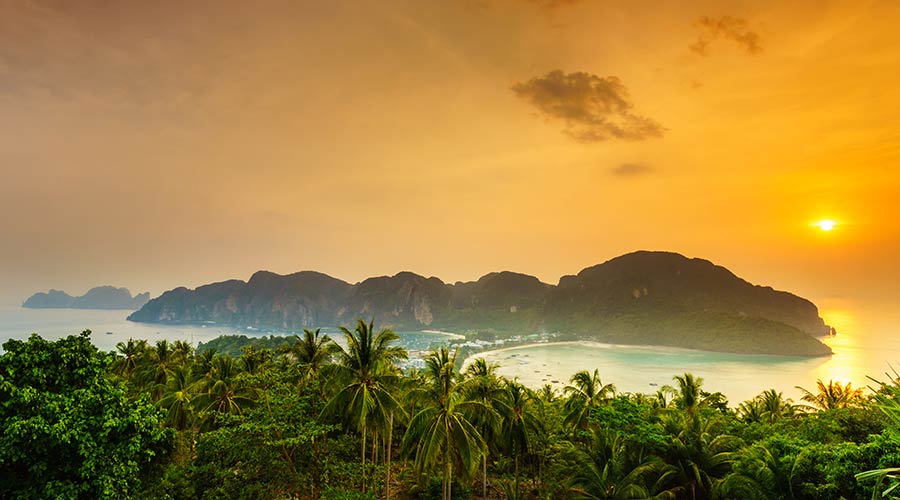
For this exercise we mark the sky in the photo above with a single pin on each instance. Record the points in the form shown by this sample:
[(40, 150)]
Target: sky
[(160, 144)]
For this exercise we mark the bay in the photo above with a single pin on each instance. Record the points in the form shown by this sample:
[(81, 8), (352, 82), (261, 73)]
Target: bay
[(867, 344)]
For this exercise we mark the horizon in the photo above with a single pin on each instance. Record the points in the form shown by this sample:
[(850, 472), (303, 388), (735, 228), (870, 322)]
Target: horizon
[(165, 145)]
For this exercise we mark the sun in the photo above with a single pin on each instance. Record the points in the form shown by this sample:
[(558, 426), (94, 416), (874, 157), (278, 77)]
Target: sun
[(826, 224)]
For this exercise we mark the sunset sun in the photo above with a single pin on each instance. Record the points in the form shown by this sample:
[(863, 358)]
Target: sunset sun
[(826, 224)]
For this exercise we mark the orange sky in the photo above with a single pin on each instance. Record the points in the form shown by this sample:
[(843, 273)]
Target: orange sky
[(158, 144)]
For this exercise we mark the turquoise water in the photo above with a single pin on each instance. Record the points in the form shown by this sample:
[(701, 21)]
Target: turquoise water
[(868, 342)]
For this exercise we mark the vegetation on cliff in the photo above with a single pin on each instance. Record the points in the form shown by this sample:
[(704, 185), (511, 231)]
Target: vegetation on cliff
[(640, 298)]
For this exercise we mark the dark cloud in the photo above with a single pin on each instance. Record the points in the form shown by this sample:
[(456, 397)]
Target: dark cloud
[(631, 170), (735, 29), (594, 109)]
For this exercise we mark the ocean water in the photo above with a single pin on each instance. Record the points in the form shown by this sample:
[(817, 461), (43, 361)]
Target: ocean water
[(868, 344), (110, 327)]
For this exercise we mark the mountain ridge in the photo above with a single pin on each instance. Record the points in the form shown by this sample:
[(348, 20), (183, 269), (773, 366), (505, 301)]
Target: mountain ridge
[(99, 297), (643, 297)]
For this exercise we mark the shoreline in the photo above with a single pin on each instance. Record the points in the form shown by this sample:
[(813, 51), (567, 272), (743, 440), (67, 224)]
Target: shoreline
[(605, 345)]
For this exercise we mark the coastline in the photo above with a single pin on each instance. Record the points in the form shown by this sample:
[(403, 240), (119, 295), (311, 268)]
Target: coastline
[(494, 353), (452, 335)]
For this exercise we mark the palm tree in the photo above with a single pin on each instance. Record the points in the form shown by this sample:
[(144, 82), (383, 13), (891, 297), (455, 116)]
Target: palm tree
[(223, 391), (131, 354), (442, 432), (547, 393), (156, 366), (689, 394), (702, 457), (751, 411), (601, 469), (886, 399), (312, 352), (586, 392), (832, 396), (182, 350), (203, 362), (483, 386), (367, 373), (177, 398), (775, 407), (255, 360), (519, 421)]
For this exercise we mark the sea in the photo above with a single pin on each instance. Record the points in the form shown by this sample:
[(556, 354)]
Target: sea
[(866, 346)]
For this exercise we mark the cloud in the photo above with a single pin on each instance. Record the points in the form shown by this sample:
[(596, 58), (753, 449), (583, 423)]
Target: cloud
[(594, 109), (631, 170), (735, 29)]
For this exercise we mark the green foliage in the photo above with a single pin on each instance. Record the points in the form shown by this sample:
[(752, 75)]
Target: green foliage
[(68, 430), (233, 345), (341, 494), (315, 421), (458, 491), (639, 424)]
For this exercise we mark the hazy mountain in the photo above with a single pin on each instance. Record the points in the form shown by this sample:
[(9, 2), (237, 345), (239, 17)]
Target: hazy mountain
[(101, 297), (640, 298)]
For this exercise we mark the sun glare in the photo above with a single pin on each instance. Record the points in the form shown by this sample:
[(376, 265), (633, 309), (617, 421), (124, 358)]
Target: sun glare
[(826, 224)]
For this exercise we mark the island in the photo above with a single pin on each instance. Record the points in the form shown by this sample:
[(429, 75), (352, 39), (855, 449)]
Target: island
[(641, 298), (101, 297)]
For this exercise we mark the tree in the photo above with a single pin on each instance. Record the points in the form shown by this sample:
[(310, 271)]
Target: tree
[(887, 400), (367, 375), (689, 396), (177, 399), (69, 431), (702, 456), (600, 469), (832, 396), (312, 352), (483, 386), (519, 422), (586, 392), (130, 356), (273, 450), (156, 365), (441, 432), (223, 391)]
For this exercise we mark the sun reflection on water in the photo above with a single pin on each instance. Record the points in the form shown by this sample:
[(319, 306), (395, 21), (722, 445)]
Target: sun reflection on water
[(846, 363)]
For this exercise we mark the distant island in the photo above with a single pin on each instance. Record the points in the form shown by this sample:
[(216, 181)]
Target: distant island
[(645, 298), (101, 297)]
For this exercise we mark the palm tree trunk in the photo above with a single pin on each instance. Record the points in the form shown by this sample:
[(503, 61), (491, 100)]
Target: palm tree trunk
[(387, 458), (363, 453), (484, 474), (449, 480), (517, 475), (444, 485), (375, 448)]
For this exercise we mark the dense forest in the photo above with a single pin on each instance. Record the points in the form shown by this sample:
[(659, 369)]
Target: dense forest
[(312, 419)]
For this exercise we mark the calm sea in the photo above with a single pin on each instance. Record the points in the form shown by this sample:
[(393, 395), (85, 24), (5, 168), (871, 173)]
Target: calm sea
[(867, 344), (110, 327)]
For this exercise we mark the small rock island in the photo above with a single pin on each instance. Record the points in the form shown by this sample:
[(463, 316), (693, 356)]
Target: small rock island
[(101, 297)]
